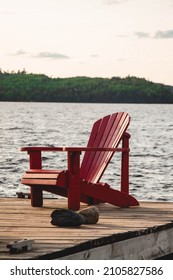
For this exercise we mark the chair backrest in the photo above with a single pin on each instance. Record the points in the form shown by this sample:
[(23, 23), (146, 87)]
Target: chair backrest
[(106, 132)]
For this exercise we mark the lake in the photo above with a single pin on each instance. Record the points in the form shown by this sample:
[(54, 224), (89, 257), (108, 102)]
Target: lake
[(69, 124)]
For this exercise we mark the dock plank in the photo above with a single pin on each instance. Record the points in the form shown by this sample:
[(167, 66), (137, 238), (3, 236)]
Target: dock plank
[(18, 220)]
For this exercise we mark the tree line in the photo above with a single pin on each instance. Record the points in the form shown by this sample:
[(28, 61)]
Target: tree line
[(25, 87)]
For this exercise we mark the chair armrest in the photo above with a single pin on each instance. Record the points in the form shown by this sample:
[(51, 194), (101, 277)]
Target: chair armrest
[(73, 149), (89, 149), (47, 149)]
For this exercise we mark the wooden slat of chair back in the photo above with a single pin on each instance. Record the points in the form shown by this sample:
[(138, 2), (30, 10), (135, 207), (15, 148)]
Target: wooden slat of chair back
[(106, 132)]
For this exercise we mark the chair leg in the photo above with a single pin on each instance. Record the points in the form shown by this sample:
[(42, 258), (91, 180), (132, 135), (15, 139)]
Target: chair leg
[(36, 192), (125, 166), (74, 180), (36, 197)]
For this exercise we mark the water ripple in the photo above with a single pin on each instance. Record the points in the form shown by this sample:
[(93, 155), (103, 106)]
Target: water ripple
[(36, 124)]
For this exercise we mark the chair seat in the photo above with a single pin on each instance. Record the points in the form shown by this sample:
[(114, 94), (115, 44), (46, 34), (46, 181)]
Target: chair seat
[(45, 177)]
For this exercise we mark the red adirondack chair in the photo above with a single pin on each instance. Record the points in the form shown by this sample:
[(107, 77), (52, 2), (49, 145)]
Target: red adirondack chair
[(82, 182)]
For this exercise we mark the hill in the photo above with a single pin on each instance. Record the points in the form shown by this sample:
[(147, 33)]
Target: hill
[(40, 88)]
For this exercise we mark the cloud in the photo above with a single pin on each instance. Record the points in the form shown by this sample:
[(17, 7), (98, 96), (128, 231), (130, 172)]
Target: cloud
[(168, 34), (52, 55), (18, 53), (121, 59), (141, 35), (94, 55), (111, 2)]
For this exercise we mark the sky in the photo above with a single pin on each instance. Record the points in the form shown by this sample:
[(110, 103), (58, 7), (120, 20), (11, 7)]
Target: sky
[(94, 38)]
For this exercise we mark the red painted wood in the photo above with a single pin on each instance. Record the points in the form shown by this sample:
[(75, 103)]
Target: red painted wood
[(74, 180), (35, 171), (36, 163), (82, 183), (125, 165), (109, 195), (113, 140), (30, 149), (108, 134), (99, 159), (96, 135), (70, 149), (35, 160), (45, 177)]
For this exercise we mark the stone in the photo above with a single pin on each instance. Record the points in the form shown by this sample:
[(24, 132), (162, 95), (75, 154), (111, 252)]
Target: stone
[(66, 218), (91, 214)]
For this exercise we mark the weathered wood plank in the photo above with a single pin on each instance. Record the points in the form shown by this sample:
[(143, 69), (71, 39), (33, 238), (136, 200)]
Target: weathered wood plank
[(137, 248), (19, 220)]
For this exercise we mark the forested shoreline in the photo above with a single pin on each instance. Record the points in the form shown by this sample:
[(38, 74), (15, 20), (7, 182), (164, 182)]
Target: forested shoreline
[(25, 87)]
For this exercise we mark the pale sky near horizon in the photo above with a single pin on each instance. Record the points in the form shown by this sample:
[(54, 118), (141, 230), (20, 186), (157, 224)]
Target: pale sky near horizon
[(94, 38)]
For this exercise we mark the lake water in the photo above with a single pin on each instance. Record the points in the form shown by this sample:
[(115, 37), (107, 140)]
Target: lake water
[(69, 124)]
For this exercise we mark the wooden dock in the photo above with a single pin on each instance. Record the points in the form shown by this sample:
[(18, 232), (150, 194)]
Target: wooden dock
[(144, 232)]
